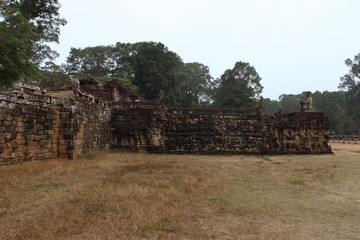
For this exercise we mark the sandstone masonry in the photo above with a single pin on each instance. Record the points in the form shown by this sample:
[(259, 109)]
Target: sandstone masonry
[(38, 125)]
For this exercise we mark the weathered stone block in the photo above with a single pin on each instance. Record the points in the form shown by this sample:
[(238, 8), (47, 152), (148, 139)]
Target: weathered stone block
[(2, 138), (8, 123)]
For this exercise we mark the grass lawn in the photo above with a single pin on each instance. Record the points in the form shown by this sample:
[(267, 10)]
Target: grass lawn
[(149, 196)]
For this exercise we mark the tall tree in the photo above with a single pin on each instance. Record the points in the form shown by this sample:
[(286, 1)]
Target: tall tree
[(239, 87), (16, 46), (350, 83), (123, 55), (96, 61), (149, 65), (156, 70), (46, 21), (26, 26), (195, 84)]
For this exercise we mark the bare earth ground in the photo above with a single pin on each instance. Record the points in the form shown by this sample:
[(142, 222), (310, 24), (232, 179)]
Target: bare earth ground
[(144, 196)]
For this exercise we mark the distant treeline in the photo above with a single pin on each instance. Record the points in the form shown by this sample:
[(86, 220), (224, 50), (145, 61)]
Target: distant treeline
[(335, 105)]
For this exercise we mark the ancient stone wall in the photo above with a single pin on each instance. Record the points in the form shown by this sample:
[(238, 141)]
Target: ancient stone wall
[(138, 126), (239, 132), (29, 128), (38, 125), (213, 131), (34, 127), (297, 133), (218, 131), (85, 127)]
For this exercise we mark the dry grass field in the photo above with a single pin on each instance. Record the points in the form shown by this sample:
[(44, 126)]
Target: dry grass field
[(145, 196)]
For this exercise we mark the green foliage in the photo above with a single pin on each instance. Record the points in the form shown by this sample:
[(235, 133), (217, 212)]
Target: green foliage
[(52, 77), (149, 67), (289, 103), (351, 84), (130, 84), (25, 28), (239, 87), (333, 105), (45, 19), (156, 69), (112, 61), (16, 46), (195, 84), (123, 54), (350, 81), (270, 106), (95, 61)]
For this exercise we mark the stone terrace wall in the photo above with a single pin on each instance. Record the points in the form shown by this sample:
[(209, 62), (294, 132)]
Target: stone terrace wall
[(34, 127), (298, 133), (29, 128), (85, 127), (138, 126), (214, 131), (229, 131)]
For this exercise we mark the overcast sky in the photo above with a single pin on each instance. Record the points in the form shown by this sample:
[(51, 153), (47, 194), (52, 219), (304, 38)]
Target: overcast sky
[(295, 45)]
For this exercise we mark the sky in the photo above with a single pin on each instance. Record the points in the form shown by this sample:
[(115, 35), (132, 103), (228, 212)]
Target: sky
[(294, 45)]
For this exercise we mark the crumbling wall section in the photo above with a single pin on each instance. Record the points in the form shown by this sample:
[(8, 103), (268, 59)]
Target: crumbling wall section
[(88, 126), (35, 127), (29, 127)]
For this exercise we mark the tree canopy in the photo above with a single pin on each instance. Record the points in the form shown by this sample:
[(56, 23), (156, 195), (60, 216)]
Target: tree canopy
[(350, 83), (26, 27), (196, 83), (151, 66), (239, 87), (156, 70), (289, 103)]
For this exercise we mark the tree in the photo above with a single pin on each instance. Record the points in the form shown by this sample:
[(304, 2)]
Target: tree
[(149, 65), (16, 46), (123, 55), (113, 61), (333, 105), (350, 81), (25, 28), (45, 18), (95, 61), (52, 77), (195, 84), (239, 87), (156, 70), (351, 84), (289, 103), (270, 106)]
